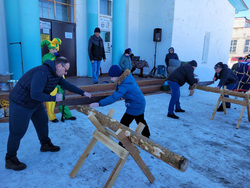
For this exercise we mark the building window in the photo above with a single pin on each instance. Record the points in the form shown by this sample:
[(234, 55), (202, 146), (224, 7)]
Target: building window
[(233, 46), (62, 10), (247, 46), (105, 7)]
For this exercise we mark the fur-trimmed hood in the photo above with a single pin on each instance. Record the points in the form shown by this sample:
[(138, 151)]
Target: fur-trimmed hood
[(123, 76)]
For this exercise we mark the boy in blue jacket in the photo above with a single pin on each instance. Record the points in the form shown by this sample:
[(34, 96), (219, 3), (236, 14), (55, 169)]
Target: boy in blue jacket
[(128, 89)]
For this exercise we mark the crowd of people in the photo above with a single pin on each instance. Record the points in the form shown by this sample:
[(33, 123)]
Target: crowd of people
[(46, 83)]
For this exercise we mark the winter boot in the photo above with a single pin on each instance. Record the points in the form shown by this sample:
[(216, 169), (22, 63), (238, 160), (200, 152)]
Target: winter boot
[(14, 164), (173, 116), (48, 146), (71, 118), (179, 110), (220, 109)]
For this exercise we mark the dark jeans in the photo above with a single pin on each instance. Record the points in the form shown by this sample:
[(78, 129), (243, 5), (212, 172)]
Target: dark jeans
[(127, 119), (175, 97), (19, 118)]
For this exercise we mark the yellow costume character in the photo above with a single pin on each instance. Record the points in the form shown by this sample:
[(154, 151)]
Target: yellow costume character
[(53, 47)]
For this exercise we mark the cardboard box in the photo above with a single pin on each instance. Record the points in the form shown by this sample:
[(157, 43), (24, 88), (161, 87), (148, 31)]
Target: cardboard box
[(4, 78)]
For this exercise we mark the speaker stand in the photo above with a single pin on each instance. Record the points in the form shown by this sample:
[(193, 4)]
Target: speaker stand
[(152, 72)]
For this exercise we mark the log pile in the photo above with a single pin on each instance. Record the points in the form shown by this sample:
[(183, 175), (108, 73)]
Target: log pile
[(171, 158)]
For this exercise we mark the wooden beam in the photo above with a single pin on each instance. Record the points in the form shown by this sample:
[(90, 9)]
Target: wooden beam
[(171, 158), (109, 143)]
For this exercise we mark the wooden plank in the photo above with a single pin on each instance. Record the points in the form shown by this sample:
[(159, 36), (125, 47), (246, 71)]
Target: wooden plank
[(134, 152), (83, 157), (109, 143), (139, 127), (111, 113), (240, 118), (97, 124), (235, 101), (116, 171)]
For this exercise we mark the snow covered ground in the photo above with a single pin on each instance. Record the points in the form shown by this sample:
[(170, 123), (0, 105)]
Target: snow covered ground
[(218, 154)]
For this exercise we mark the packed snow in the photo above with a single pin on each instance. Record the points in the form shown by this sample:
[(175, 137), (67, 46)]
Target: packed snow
[(218, 153)]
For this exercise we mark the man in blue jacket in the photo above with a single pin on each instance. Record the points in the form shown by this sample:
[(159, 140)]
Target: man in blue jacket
[(26, 103), (176, 79), (128, 89)]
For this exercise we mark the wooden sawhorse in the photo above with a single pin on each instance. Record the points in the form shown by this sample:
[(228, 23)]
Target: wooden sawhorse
[(244, 103), (105, 137)]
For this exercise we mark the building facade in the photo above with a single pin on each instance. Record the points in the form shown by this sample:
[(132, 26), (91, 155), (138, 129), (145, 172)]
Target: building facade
[(240, 43), (199, 31)]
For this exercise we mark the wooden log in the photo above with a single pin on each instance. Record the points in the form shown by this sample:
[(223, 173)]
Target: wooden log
[(171, 158), (217, 90)]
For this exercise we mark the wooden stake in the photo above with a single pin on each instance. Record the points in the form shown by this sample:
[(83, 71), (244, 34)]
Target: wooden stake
[(139, 127), (216, 107), (114, 174), (134, 152), (83, 157), (240, 118)]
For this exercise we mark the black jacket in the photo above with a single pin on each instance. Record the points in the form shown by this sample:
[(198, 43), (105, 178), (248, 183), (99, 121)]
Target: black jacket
[(226, 76), (170, 56), (183, 74), (35, 86), (96, 48)]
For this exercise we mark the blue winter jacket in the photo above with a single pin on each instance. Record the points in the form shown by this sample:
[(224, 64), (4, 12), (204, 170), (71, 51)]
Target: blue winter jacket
[(131, 92), (125, 62)]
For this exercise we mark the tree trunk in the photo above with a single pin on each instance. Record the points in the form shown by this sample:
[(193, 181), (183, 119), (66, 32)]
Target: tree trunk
[(171, 158)]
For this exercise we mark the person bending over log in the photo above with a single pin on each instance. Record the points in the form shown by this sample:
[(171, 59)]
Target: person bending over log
[(227, 78), (26, 103), (128, 89), (178, 78)]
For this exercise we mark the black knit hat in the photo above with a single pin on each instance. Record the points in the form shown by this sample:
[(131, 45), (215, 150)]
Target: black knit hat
[(193, 63), (218, 65), (97, 30), (127, 51)]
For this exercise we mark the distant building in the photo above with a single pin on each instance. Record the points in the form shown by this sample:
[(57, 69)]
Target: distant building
[(240, 43)]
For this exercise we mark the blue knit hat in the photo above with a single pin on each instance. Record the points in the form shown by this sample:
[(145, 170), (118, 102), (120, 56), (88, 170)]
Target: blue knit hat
[(115, 71)]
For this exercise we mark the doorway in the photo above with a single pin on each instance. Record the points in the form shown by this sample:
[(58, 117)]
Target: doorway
[(50, 29)]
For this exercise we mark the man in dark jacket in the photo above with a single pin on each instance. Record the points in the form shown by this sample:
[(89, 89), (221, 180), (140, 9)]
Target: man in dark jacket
[(176, 79), (170, 55), (227, 78), (96, 53), (26, 103)]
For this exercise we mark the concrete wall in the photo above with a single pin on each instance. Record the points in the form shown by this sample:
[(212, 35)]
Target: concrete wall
[(4, 63), (193, 20), (143, 16), (81, 38)]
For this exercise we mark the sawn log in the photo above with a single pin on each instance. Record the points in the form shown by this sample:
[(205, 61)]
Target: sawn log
[(225, 91), (171, 158)]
